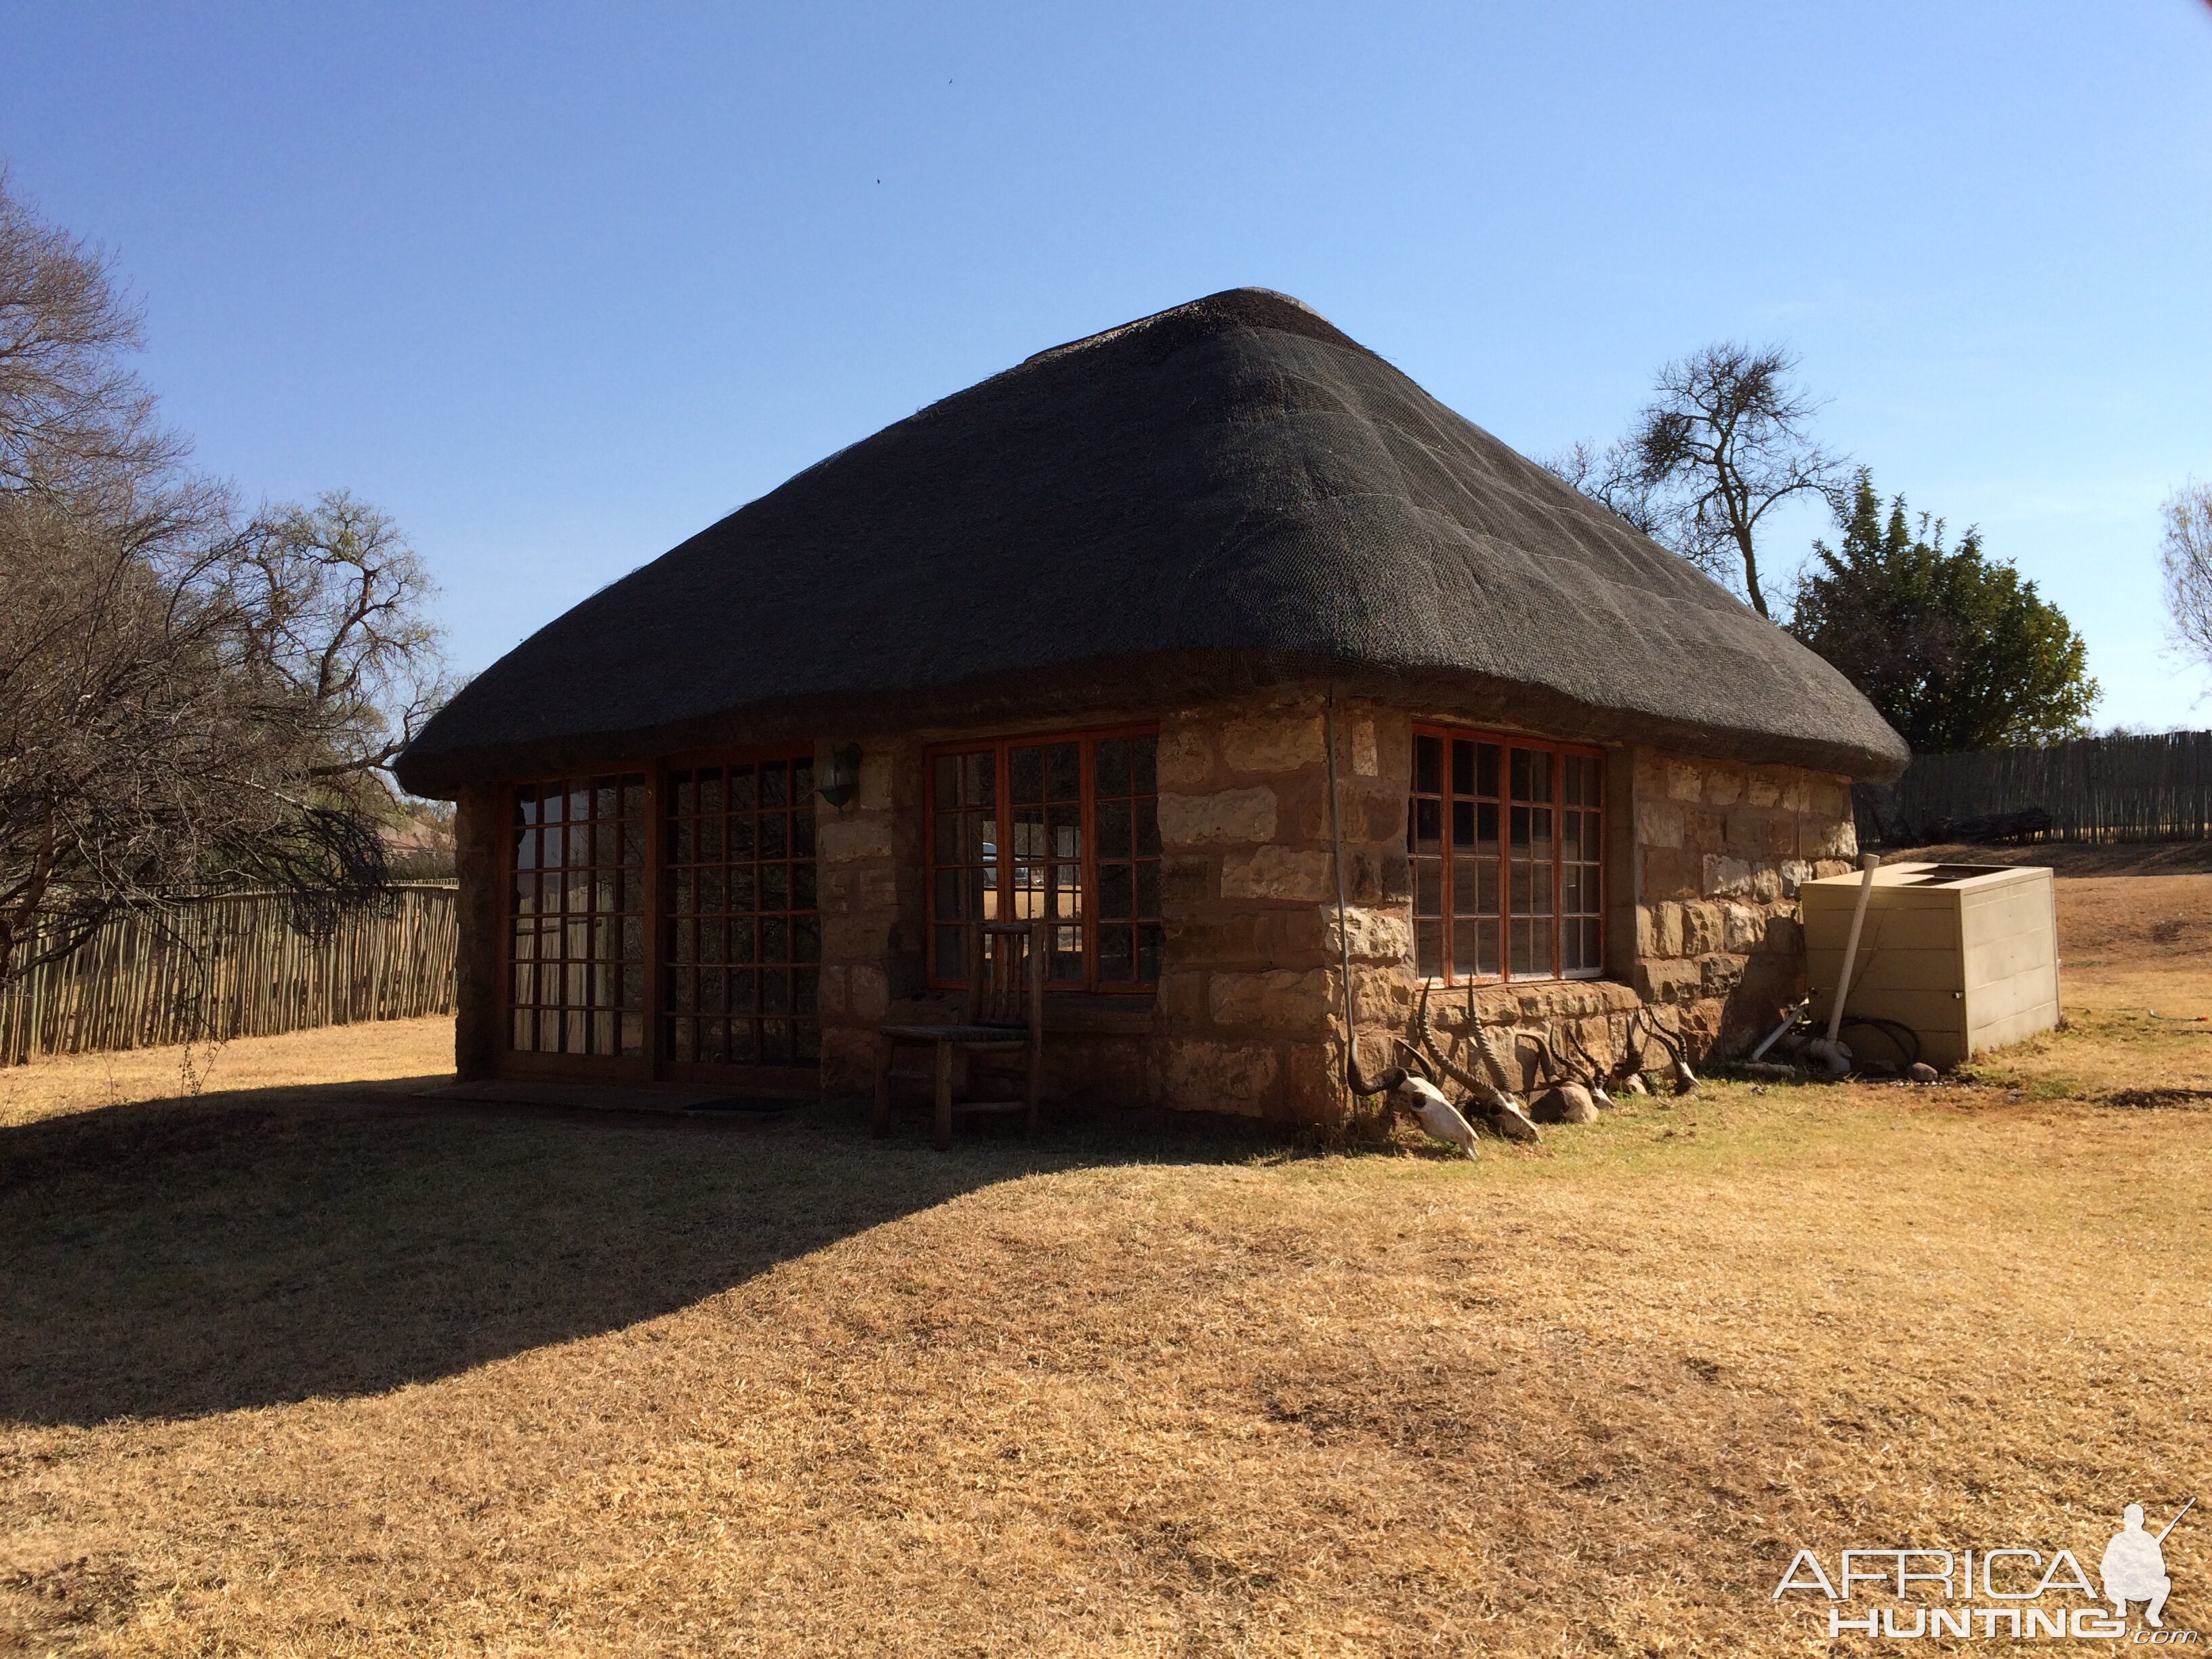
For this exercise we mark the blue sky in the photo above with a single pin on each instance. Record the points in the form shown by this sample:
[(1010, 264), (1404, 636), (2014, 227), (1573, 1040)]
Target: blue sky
[(558, 286)]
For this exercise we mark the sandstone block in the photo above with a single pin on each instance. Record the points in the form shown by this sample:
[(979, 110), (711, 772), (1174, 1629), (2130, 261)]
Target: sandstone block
[(1186, 758), (1277, 873), (1796, 796), (1365, 762), (877, 775), (1701, 928), (1185, 882), (1199, 1076), (1373, 935), (1273, 743), (1745, 831), (1658, 823), (1670, 873), (1762, 788), (1227, 816), (1666, 929), (1725, 877), (829, 992), (1182, 994), (1830, 801), (869, 992), (1782, 837), (1719, 973), (848, 1060), (1277, 1001), (1743, 928), (861, 835), (1784, 934), (1683, 781), (1668, 980), (1796, 873), (1313, 1085), (1723, 785), (1386, 996)]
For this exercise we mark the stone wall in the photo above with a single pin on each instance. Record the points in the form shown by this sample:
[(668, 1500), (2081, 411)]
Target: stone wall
[(1720, 850), (1250, 1004), (1703, 866), (869, 870)]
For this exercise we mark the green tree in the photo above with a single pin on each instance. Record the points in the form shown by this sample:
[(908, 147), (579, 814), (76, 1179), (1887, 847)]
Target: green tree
[(1954, 649)]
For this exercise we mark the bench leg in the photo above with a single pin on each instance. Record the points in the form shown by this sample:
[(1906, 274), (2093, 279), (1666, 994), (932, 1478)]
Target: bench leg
[(944, 1133), (880, 1124)]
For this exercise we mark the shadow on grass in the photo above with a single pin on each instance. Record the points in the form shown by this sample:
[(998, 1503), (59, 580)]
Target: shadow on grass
[(180, 1257)]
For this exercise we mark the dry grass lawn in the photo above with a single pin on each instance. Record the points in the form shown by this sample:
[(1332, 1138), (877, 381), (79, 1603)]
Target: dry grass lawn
[(301, 1366)]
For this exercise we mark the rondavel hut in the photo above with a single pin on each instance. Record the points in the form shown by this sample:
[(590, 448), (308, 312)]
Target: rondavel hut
[(1071, 656)]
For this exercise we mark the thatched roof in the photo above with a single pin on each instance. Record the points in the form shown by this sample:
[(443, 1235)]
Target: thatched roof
[(1228, 495)]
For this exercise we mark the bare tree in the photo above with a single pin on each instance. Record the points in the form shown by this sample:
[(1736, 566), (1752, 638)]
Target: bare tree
[(1612, 478), (2186, 557), (1726, 440), (188, 695)]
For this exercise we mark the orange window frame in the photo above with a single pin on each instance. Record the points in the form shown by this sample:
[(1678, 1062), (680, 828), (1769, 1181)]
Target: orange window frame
[(1440, 912), (967, 870)]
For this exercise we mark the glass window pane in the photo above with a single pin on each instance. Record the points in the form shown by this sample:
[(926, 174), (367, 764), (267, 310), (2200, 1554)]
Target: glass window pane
[(1063, 771), (1429, 765), (1117, 893), (1429, 948), (1111, 761), (1428, 826), (1114, 830), (1144, 773), (1117, 955), (1467, 885), (1025, 775), (1428, 887), (1463, 767), (1147, 811)]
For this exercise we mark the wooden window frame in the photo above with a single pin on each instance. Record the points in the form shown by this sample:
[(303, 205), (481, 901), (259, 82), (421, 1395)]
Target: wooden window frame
[(655, 1065), (1507, 742), (530, 1062), (766, 1079), (1087, 797)]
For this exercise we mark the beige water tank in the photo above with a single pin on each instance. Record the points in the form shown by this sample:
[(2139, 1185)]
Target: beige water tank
[(1965, 954)]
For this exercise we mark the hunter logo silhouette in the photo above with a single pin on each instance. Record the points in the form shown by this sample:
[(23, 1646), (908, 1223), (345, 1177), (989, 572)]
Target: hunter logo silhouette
[(2134, 1566)]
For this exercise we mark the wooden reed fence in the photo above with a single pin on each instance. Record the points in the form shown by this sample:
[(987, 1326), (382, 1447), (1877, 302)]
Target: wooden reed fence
[(2092, 789), (221, 965)]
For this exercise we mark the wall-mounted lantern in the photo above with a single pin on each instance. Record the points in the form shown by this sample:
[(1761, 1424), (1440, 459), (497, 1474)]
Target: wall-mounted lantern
[(841, 775)]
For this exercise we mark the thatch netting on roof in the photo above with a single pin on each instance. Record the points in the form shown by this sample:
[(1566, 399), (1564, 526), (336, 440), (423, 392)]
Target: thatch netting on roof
[(1227, 495)]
